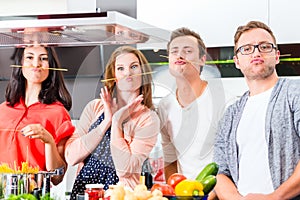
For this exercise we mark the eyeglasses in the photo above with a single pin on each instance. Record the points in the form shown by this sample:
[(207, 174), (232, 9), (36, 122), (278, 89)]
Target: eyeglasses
[(250, 48)]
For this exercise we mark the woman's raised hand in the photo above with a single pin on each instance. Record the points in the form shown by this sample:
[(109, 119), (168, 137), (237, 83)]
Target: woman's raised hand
[(109, 103), (124, 113)]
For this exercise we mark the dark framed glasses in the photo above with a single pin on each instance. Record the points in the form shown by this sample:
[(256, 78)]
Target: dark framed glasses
[(250, 48)]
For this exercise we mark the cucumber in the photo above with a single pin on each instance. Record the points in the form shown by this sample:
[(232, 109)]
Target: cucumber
[(208, 183), (210, 169)]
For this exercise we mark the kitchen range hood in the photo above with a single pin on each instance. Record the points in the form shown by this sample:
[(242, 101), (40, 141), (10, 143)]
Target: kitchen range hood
[(79, 29)]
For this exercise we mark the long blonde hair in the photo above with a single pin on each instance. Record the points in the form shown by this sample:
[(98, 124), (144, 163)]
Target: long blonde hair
[(146, 88)]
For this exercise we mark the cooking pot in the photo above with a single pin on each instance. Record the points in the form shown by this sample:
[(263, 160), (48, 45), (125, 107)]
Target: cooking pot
[(24, 183), (14, 184)]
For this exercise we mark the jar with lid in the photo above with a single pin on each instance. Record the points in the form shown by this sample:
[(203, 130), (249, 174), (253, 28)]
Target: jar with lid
[(94, 192)]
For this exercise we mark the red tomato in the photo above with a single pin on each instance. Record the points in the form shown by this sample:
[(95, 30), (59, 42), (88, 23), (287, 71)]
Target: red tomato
[(164, 188), (174, 179)]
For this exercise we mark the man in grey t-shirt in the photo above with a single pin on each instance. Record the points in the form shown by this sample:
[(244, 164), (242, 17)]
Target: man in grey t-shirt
[(278, 130)]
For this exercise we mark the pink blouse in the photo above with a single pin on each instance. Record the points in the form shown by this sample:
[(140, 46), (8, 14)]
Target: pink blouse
[(140, 135)]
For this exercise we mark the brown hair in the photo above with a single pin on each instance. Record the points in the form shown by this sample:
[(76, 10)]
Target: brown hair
[(249, 26), (146, 88), (187, 32)]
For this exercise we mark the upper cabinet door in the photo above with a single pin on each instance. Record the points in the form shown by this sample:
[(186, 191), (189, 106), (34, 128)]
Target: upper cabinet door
[(284, 20), (216, 21), (32, 7), (43, 7)]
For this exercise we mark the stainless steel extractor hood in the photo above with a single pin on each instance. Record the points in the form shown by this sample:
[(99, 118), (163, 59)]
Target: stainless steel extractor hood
[(80, 29)]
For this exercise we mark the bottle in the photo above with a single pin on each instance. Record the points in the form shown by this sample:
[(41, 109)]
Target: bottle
[(157, 163), (94, 192), (146, 177)]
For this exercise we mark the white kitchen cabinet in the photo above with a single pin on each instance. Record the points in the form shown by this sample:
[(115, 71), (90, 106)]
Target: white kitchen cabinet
[(284, 20), (29, 7), (216, 21), (41, 7)]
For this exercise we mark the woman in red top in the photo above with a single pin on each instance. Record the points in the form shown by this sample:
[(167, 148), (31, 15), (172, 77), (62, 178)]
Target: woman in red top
[(34, 119)]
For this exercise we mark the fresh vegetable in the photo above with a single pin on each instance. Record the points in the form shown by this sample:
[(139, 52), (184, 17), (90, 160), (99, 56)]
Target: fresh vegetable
[(210, 169), (164, 188), (140, 192), (208, 183), (29, 197), (118, 191), (174, 179), (22, 197), (46, 197), (189, 188)]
